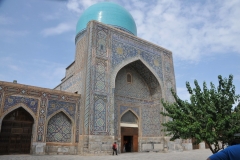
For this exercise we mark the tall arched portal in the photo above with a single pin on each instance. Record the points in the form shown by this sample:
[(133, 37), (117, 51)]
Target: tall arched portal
[(137, 107), (16, 132)]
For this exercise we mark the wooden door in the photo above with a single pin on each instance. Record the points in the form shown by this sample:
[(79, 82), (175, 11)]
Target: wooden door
[(16, 133), (135, 143), (131, 134)]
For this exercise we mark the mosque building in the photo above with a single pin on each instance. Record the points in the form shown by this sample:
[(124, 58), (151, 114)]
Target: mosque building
[(111, 92)]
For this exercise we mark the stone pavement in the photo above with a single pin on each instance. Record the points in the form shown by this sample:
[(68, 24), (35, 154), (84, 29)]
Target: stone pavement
[(200, 154)]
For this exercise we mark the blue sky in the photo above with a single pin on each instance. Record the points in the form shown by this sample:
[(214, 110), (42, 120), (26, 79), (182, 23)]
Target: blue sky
[(37, 38)]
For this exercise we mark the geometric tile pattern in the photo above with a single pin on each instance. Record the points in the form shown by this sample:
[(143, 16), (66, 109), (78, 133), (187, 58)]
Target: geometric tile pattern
[(100, 76), (99, 115), (78, 128), (116, 115), (13, 100), (169, 93), (99, 85), (55, 105), (169, 74), (101, 41), (150, 121), (124, 48), (137, 89), (129, 117), (59, 128), (125, 108), (89, 85), (42, 118)]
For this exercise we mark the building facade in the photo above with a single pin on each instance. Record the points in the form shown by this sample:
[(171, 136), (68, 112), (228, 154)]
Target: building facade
[(112, 92)]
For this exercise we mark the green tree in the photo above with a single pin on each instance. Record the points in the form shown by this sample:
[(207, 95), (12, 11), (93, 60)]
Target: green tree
[(207, 117)]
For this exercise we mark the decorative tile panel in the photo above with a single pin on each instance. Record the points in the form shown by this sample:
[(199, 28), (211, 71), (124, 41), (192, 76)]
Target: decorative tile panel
[(55, 105), (150, 121), (99, 122), (133, 100), (124, 48), (31, 103), (169, 95), (59, 128), (88, 92), (100, 76), (125, 108), (78, 128), (101, 46), (41, 119)]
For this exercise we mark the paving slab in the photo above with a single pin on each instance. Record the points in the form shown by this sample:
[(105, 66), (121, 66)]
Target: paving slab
[(200, 154)]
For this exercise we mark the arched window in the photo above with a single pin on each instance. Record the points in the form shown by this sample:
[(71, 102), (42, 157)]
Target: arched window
[(129, 117), (59, 128), (129, 78)]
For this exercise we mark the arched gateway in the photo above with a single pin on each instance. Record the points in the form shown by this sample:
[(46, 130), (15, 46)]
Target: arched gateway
[(129, 132), (16, 132), (137, 104)]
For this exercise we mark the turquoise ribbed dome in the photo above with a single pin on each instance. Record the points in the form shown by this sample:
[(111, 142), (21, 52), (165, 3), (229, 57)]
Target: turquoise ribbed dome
[(108, 13)]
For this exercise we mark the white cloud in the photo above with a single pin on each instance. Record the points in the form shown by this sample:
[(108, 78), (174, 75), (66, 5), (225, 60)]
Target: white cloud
[(78, 5), (73, 5), (59, 29), (190, 30)]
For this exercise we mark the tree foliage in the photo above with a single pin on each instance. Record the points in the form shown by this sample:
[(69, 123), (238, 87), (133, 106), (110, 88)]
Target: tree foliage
[(208, 117)]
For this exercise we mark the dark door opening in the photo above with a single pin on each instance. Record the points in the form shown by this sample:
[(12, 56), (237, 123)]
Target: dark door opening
[(16, 132), (127, 143)]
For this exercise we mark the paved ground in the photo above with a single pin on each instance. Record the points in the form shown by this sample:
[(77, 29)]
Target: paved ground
[(185, 155)]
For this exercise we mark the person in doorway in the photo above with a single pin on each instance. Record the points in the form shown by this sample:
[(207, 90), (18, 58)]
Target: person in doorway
[(114, 147), (124, 146), (128, 146)]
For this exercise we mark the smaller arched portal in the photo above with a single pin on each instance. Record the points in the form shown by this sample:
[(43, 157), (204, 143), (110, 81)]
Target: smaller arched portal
[(16, 132), (129, 132)]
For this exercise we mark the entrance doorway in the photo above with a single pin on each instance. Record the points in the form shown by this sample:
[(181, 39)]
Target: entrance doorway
[(127, 143), (16, 132), (129, 132), (129, 139)]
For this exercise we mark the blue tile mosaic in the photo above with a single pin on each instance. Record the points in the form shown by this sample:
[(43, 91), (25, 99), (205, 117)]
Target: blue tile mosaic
[(55, 105), (125, 108), (31, 103), (59, 128)]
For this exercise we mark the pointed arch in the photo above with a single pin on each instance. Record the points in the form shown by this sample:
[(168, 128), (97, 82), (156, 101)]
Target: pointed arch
[(60, 110), (59, 127), (17, 130), (128, 61), (129, 121), (24, 106), (135, 114)]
